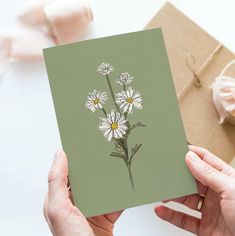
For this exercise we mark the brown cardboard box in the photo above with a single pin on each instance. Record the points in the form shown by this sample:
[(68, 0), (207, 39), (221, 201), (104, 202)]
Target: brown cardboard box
[(232, 163), (184, 37)]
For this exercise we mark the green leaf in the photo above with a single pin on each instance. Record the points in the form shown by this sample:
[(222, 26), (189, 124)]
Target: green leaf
[(135, 149), (119, 146), (117, 154), (138, 124)]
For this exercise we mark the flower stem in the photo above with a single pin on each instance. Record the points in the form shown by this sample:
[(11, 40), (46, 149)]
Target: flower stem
[(126, 147), (105, 113), (130, 175), (112, 93), (128, 163), (124, 87)]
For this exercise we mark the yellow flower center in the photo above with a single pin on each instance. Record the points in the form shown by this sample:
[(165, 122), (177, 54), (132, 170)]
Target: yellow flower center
[(96, 101), (114, 126), (129, 100)]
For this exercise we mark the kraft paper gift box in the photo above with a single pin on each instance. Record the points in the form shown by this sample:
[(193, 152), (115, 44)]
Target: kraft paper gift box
[(232, 163), (195, 55)]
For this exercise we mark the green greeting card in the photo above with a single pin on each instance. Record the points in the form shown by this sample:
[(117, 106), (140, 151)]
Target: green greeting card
[(119, 121)]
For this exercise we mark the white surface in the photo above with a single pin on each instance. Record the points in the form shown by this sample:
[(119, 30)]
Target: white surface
[(28, 131)]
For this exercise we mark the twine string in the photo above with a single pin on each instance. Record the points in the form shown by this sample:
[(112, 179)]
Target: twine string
[(191, 64), (226, 67)]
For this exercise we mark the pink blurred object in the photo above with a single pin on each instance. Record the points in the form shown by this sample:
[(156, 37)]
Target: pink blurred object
[(67, 20), (32, 14), (223, 91), (5, 47), (27, 43), (43, 24), (64, 20)]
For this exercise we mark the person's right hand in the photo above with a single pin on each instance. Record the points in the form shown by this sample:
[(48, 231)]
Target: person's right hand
[(217, 183)]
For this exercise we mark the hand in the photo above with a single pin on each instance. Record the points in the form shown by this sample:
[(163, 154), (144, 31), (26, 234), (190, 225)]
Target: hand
[(217, 183), (62, 216)]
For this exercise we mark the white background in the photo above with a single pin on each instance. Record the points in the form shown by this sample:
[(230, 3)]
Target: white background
[(28, 130)]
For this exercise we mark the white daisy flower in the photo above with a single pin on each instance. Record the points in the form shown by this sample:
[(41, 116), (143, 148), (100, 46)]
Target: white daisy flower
[(105, 68), (95, 100), (124, 79), (129, 99), (113, 125)]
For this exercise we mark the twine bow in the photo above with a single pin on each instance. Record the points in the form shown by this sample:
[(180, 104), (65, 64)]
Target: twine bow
[(190, 62)]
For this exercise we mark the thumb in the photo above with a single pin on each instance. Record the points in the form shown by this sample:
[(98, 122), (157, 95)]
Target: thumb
[(206, 174), (57, 178)]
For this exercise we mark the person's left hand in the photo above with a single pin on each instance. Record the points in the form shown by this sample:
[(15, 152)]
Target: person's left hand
[(62, 216)]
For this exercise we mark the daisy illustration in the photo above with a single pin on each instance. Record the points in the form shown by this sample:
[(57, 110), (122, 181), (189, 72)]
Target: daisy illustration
[(105, 68), (113, 126), (129, 99), (124, 79), (116, 126), (95, 100)]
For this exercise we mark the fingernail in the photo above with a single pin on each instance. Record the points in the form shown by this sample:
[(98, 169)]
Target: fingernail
[(192, 156)]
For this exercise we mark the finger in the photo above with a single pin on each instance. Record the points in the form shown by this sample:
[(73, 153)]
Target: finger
[(178, 219), (45, 212), (190, 201), (206, 174), (112, 217), (57, 178), (45, 206), (213, 160), (106, 220), (202, 189), (71, 197)]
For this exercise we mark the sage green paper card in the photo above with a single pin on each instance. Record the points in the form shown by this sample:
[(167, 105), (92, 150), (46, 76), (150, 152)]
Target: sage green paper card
[(119, 121)]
